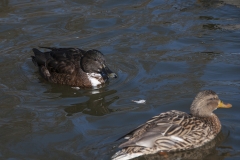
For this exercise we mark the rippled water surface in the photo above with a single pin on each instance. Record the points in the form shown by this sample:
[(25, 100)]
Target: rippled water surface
[(163, 52)]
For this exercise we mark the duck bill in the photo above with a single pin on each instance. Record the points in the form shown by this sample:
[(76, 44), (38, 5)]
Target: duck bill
[(223, 105), (107, 72)]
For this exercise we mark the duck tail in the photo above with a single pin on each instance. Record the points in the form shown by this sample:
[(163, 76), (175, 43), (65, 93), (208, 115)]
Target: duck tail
[(36, 51), (39, 58), (121, 155), (34, 60)]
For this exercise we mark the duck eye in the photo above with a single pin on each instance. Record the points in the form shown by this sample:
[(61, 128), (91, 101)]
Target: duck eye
[(95, 59)]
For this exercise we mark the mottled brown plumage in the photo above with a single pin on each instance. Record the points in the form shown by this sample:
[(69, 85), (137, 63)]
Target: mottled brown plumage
[(72, 66), (175, 130)]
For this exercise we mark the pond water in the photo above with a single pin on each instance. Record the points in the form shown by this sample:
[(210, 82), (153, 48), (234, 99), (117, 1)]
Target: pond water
[(164, 52)]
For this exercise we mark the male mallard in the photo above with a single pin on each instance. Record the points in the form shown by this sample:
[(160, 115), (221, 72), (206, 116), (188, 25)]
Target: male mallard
[(175, 130), (72, 66)]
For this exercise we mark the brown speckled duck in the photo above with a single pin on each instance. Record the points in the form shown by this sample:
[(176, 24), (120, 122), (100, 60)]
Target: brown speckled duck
[(175, 130), (72, 66)]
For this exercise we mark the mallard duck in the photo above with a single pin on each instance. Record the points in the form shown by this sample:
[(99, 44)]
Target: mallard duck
[(175, 130), (72, 66)]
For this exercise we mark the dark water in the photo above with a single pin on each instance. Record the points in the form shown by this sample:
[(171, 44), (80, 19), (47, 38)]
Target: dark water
[(163, 51)]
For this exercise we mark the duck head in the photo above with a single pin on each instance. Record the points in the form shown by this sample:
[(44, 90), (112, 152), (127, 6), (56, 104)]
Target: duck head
[(205, 103), (93, 61)]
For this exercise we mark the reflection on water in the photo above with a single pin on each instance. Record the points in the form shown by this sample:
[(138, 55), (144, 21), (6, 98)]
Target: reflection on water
[(96, 105), (163, 52), (88, 101)]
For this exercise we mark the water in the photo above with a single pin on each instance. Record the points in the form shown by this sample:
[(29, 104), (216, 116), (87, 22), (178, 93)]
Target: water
[(163, 52)]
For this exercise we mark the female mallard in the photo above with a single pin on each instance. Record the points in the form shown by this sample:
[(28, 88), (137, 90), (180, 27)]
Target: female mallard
[(175, 130), (72, 66)]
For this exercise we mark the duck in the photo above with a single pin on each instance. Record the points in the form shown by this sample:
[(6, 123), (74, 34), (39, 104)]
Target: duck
[(72, 66), (174, 131)]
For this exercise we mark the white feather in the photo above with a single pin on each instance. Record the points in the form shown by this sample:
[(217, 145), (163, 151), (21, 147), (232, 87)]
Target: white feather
[(177, 138), (94, 78), (77, 88), (125, 156), (140, 101)]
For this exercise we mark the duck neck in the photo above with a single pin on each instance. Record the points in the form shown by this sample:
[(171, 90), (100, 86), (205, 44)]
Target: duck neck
[(214, 123)]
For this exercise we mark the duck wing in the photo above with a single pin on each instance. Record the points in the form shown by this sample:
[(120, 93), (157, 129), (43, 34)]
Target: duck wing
[(167, 127), (59, 60), (65, 52)]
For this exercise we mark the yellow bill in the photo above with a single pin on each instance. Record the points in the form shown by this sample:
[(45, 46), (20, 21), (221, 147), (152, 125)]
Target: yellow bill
[(223, 105)]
